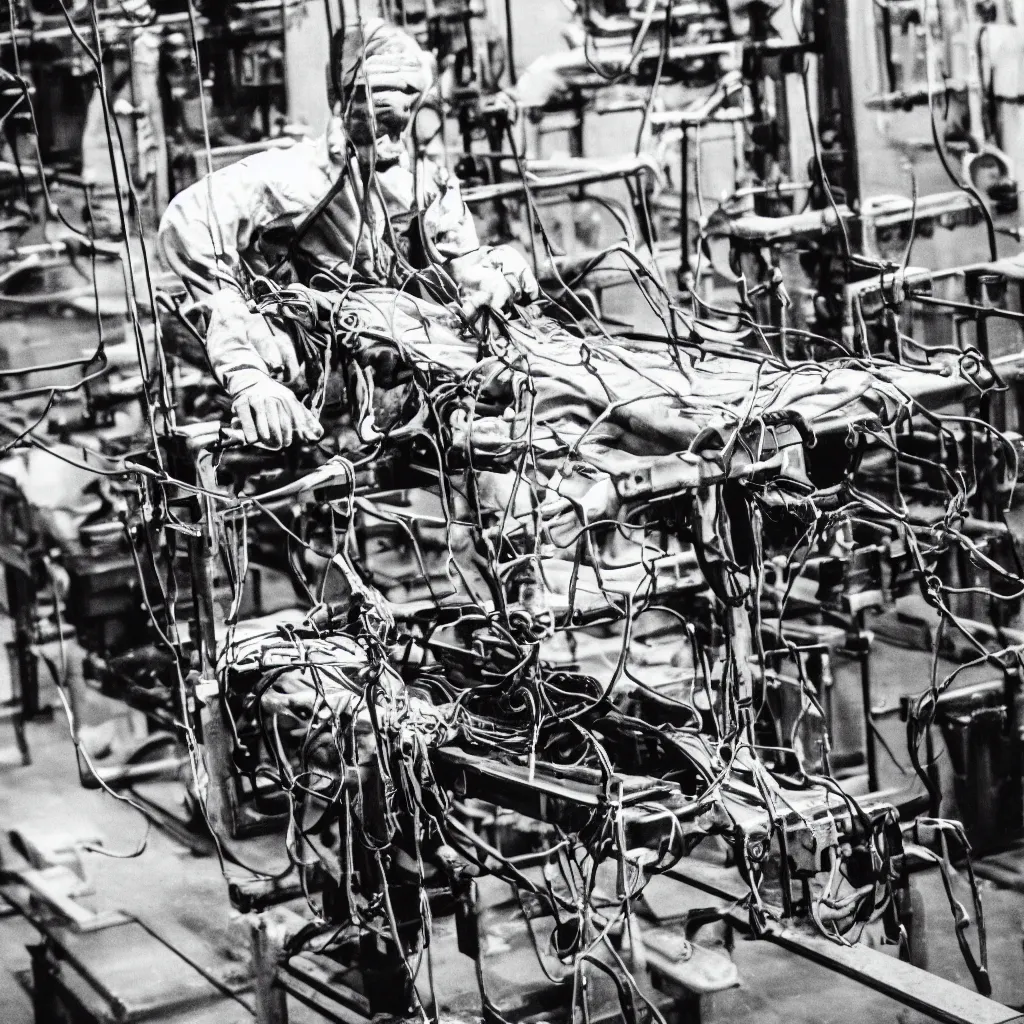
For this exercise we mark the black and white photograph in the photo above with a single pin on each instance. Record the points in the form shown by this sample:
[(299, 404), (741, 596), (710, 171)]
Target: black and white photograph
[(511, 511)]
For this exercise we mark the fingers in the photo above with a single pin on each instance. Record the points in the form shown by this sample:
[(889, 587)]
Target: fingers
[(286, 421), (523, 286), (501, 294), (275, 432), (276, 420), (473, 304), (496, 294), (517, 273), (244, 413), (297, 422), (307, 425), (259, 413)]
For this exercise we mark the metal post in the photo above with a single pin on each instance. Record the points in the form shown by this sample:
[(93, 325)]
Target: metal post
[(1014, 815), (44, 986), (862, 639), (991, 409), (268, 941), (835, 84), (685, 280), (932, 770), (21, 602)]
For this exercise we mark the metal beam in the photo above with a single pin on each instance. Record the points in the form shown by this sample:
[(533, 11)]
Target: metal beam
[(942, 1000)]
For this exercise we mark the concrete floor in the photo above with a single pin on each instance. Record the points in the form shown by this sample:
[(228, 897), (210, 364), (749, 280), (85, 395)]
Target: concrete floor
[(185, 899)]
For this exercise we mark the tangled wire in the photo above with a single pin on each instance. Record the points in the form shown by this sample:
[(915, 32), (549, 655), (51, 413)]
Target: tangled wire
[(539, 556)]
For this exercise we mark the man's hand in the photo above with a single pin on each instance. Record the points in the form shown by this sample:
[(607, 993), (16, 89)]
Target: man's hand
[(270, 414), (274, 347), (247, 351), (494, 279), (484, 287), (516, 271)]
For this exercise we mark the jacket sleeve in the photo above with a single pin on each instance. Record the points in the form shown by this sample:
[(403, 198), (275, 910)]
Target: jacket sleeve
[(447, 221), (210, 225)]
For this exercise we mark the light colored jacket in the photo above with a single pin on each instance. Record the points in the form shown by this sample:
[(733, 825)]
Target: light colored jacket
[(217, 234)]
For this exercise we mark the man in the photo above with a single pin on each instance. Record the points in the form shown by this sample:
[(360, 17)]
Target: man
[(338, 211)]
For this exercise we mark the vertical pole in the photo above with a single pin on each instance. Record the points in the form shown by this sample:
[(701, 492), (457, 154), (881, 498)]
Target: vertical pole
[(20, 600), (1013, 696), (932, 769), (44, 986), (203, 554), (685, 281), (835, 88), (510, 43), (863, 648), (577, 133), (268, 939), (987, 290)]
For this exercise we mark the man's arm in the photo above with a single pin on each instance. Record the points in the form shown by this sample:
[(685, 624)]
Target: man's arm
[(203, 235), (208, 226)]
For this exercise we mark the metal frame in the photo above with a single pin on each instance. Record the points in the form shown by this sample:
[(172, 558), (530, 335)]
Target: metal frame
[(942, 1000)]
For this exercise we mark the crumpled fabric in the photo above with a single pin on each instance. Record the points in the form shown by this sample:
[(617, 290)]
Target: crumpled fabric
[(601, 394), (596, 410), (643, 402), (552, 441)]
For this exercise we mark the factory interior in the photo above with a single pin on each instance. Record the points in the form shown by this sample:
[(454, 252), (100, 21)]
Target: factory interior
[(511, 511)]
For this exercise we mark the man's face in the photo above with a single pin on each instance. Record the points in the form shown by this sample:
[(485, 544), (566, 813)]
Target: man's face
[(383, 117)]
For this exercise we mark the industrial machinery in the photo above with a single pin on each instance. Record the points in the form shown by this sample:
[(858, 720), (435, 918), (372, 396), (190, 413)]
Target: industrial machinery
[(553, 610)]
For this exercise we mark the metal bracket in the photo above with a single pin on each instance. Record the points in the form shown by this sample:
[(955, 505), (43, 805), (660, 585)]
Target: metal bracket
[(56, 878)]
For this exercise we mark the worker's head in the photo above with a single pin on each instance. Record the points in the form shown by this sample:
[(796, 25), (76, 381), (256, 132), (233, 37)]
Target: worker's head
[(380, 74)]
